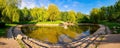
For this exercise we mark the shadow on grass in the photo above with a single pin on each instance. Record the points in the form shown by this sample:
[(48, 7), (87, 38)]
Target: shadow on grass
[(3, 31)]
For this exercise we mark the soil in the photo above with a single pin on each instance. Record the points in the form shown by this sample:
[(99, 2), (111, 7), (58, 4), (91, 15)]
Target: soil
[(110, 41), (8, 43)]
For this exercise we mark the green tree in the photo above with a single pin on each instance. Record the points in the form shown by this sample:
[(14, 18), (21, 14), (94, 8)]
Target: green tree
[(25, 15), (44, 14), (39, 14), (2, 6), (117, 10), (79, 17), (9, 10), (103, 13), (64, 16), (71, 16), (53, 12), (94, 15), (10, 14)]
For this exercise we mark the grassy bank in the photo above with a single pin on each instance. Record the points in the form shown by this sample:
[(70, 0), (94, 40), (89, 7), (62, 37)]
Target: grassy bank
[(49, 22), (114, 26), (3, 32), (34, 22)]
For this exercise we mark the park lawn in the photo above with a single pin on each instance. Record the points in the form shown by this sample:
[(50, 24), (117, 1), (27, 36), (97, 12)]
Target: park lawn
[(111, 25), (49, 22), (3, 32), (34, 22), (9, 25)]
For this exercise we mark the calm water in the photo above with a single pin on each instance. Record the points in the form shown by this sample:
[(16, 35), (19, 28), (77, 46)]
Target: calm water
[(58, 34)]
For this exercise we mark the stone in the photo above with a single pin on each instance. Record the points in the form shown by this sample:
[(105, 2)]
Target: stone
[(19, 36)]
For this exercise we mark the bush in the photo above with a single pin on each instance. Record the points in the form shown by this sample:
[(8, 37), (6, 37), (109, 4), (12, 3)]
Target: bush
[(2, 24)]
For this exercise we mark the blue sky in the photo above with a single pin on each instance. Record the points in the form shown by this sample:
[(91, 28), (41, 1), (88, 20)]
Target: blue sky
[(84, 6)]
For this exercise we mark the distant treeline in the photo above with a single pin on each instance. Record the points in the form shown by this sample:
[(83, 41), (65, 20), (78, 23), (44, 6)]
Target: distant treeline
[(10, 13)]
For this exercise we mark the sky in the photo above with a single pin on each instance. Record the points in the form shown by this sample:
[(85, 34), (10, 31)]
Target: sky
[(83, 6)]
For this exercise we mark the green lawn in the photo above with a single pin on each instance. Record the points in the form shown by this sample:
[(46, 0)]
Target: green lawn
[(34, 22), (53, 22), (111, 25), (9, 25), (2, 32)]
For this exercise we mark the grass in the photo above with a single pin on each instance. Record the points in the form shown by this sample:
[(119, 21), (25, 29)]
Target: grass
[(20, 43), (2, 32), (34, 22), (49, 22), (111, 25), (9, 25)]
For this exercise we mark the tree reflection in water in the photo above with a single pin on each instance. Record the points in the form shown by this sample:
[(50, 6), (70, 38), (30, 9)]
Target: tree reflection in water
[(58, 34)]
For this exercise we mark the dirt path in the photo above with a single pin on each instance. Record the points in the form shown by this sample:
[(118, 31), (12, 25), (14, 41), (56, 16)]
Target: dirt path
[(8, 43), (110, 41)]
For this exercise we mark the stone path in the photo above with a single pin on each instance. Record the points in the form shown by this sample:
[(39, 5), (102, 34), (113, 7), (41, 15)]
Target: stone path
[(110, 41), (8, 43)]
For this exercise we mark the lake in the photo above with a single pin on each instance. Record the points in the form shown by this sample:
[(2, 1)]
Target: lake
[(59, 34)]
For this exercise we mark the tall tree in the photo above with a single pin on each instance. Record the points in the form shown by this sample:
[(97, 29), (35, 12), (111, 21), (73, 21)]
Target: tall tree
[(79, 17), (103, 13), (44, 14), (94, 15), (64, 16), (25, 15), (71, 16), (39, 14), (2, 6), (10, 11), (117, 10), (53, 12)]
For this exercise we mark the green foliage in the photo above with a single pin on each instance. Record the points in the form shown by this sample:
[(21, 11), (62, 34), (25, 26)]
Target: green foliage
[(2, 32), (25, 15), (53, 12), (94, 15), (110, 13), (10, 14), (39, 14), (85, 19), (64, 16), (9, 11), (79, 17), (71, 16), (112, 25)]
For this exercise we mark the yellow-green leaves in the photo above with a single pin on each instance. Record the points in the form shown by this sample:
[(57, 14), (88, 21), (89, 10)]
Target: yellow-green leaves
[(71, 16), (11, 14), (39, 14), (53, 12)]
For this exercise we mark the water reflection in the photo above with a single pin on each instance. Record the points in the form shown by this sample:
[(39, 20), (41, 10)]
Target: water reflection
[(58, 35)]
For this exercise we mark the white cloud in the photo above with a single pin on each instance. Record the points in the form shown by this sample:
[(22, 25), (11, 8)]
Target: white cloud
[(65, 6), (43, 3), (27, 3), (75, 3)]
